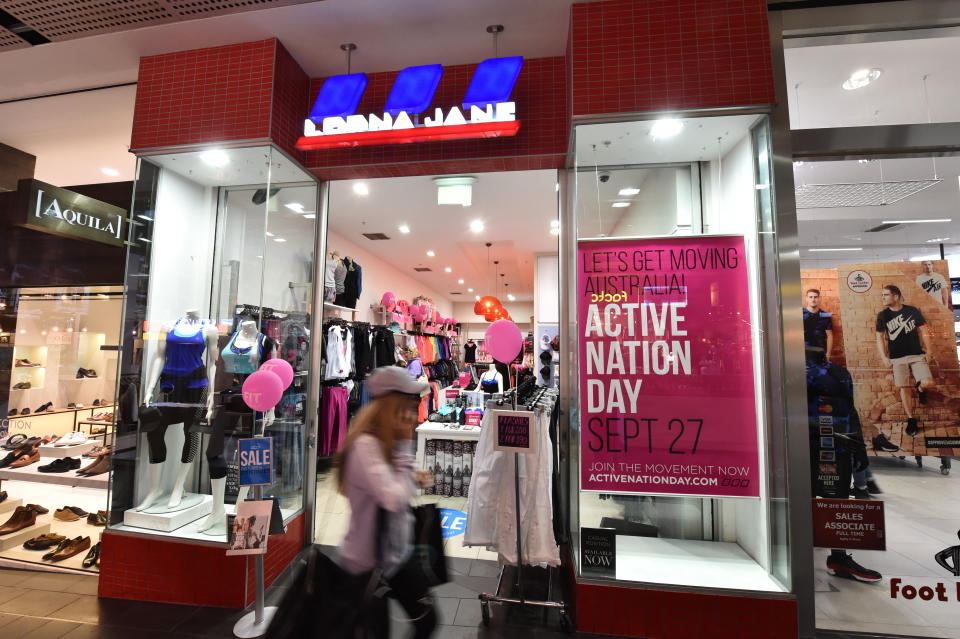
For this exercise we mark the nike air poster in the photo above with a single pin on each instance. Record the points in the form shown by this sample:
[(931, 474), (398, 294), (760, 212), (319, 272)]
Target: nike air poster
[(667, 393)]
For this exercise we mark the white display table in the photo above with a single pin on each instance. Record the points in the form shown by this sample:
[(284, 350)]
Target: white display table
[(438, 430)]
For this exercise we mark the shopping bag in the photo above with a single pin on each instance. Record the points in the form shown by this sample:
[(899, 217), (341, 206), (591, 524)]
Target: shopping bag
[(428, 554), (324, 600)]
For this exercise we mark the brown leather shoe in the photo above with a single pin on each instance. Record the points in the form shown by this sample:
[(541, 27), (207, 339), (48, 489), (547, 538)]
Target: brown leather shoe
[(98, 518), (23, 517), (65, 514), (73, 547), (43, 542), (98, 467), (30, 458)]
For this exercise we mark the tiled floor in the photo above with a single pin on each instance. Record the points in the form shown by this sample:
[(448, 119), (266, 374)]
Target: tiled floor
[(48, 606)]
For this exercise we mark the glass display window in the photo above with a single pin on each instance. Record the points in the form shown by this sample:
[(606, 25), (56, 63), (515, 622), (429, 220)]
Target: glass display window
[(677, 438), (59, 350), (220, 278)]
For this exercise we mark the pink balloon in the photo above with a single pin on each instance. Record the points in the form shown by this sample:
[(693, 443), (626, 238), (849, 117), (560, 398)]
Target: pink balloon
[(262, 390), (281, 368), (504, 340), (389, 300)]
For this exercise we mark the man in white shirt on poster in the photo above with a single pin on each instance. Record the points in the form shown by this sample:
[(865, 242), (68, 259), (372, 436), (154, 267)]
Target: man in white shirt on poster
[(935, 284)]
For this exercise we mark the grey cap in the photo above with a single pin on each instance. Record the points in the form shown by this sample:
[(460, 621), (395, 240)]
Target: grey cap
[(393, 379)]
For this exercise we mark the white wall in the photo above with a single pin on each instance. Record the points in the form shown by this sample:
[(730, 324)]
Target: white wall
[(656, 212), (380, 277)]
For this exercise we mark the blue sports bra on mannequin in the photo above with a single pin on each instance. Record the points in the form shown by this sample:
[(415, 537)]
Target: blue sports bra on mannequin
[(238, 360)]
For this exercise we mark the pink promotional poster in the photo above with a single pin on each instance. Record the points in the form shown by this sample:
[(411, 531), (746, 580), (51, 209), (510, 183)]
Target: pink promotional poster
[(666, 367)]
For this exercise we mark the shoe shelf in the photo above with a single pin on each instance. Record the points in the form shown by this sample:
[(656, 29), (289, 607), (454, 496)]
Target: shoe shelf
[(53, 451), (69, 478)]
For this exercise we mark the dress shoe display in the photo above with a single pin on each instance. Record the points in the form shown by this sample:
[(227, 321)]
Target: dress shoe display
[(25, 450), (60, 465), (40, 510), (25, 411), (73, 438), (99, 466), (93, 557), (43, 408), (15, 441), (44, 542), (96, 402), (69, 513), (25, 363), (12, 413), (22, 517), (86, 372), (98, 518), (30, 458), (70, 548)]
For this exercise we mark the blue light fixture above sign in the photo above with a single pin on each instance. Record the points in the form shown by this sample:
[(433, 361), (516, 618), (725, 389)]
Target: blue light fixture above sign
[(493, 82), (413, 89), (339, 96)]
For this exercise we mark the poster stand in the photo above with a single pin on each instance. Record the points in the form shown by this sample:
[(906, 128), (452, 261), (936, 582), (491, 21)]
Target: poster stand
[(519, 600), (255, 623)]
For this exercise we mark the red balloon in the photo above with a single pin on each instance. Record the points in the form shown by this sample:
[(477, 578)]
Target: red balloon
[(490, 317), (478, 308)]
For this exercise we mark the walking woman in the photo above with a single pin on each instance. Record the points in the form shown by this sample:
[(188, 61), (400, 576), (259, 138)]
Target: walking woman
[(375, 472)]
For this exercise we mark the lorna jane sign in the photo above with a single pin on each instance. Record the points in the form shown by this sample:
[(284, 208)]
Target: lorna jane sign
[(54, 210), (666, 367), (486, 112)]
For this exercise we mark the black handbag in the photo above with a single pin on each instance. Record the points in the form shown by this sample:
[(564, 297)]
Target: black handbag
[(325, 600), (428, 554)]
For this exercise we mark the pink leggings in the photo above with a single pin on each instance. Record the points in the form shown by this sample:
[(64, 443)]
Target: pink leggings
[(333, 416)]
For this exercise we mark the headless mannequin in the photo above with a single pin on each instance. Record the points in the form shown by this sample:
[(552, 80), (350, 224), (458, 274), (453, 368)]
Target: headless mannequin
[(191, 320), (491, 375), (247, 337)]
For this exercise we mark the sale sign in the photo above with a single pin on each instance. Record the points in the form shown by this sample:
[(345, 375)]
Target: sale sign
[(666, 367), (255, 458)]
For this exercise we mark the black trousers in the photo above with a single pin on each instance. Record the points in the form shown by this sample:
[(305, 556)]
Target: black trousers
[(411, 590)]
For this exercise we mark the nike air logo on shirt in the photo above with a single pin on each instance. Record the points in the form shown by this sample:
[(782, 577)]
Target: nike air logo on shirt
[(900, 324)]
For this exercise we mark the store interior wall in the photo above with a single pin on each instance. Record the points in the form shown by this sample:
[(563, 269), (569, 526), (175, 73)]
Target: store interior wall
[(380, 277)]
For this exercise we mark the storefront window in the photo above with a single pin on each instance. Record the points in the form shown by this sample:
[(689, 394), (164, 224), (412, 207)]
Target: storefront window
[(59, 419), (680, 467), (220, 279)]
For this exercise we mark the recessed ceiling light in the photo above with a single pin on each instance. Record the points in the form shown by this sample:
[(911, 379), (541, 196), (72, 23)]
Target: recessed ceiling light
[(511, 297), (554, 224), (861, 78), (310, 216), (476, 297), (269, 234), (666, 128), (627, 192), (296, 207), (431, 254), (215, 157), (279, 239), (403, 228), (111, 172), (827, 250), (477, 226), (456, 190), (620, 205), (470, 290), (361, 188), (937, 240), (554, 231), (930, 221), (459, 281), (448, 270)]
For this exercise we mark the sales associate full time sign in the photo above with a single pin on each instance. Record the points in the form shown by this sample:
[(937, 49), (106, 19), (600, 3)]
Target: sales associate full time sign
[(666, 367)]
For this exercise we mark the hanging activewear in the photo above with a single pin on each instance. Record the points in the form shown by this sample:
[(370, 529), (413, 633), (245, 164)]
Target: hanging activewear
[(470, 353), (489, 384)]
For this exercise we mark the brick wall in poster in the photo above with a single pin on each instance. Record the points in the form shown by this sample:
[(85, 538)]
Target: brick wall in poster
[(629, 56), (825, 280), (540, 95), (875, 395), (148, 569)]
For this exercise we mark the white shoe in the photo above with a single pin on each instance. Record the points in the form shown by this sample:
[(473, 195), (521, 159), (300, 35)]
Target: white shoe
[(73, 438)]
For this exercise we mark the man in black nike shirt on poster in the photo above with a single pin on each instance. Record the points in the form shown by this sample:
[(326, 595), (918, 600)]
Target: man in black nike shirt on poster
[(903, 340)]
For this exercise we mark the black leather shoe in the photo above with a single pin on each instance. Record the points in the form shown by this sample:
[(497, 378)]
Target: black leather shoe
[(93, 557), (25, 411), (60, 465), (44, 407), (12, 413)]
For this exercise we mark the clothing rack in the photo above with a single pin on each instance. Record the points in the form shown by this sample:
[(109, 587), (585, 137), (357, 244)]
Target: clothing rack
[(519, 599)]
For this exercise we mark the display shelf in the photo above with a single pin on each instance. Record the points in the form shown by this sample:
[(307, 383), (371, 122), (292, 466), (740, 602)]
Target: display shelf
[(684, 562), (7, 506), (170, 521), (70, 478), (12, 540), (53, 451), (437, 430)]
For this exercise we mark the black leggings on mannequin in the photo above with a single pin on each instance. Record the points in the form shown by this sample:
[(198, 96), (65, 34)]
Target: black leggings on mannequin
[(186, 415)]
